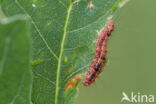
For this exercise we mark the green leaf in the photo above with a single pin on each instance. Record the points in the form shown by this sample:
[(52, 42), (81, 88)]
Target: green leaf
[(15, 73), (1, 1), (62, 36)]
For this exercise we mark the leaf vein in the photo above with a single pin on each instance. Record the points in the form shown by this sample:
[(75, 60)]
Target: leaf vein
[(73, 73), (89, 24), (62, 3), (5, 52), (51, 51), (41, 76)]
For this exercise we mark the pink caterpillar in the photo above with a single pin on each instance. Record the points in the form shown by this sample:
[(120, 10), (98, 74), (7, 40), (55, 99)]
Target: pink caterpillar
[(100, 54)]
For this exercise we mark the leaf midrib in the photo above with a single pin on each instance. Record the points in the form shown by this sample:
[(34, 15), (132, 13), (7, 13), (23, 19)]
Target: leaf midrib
[(61, 51)]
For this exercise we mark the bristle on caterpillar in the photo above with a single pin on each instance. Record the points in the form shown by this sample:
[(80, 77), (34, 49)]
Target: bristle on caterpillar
[(100, 54)]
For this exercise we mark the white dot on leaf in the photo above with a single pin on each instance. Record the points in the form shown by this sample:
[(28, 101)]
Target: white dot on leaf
[(33, 5)]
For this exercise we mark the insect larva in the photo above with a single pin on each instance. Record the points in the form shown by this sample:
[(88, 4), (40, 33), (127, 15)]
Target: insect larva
[(100, 54)]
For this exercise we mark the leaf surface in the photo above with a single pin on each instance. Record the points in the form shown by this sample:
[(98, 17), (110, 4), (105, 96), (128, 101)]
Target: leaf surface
[(15, 73), (62, 34)]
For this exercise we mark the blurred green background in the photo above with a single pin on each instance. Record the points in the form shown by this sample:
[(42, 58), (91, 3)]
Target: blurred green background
[(132, 57)]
